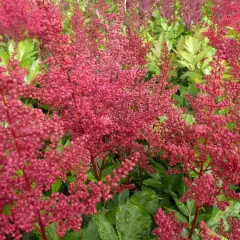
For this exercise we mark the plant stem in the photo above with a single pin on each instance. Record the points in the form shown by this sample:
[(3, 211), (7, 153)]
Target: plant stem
[(42, 228), (194, 222), (95, 168)]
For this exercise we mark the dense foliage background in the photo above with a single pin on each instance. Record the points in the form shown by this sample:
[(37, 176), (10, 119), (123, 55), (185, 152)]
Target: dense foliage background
[(119, 120)]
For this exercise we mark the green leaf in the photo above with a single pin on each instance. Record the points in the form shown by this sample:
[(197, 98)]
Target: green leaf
[(4, 57), (33, 71), (6, 209), (193, 91), (179, 216), (184, 64), (73, 236), (11, 46), (20, 172), (206, 63), (181, 206), (192, 45), (191, 207), (199, 57), (56, 186), (147, 199), (180, 45), (122, 197), (105, 228), (189, 119), (51, 232), (154, 183), (172, 182), (132, 222), (91, 232), (158, 47), (232, 211), (111, 215), (91, 177), (186, 56), (25, 50)]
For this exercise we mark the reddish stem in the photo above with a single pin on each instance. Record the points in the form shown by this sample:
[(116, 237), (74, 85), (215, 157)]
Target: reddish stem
[(42, 228), (194, 223), (95, 168)]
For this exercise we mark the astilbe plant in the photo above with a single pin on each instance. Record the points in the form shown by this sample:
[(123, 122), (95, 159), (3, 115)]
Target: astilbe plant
[(93, 82), (191, 11), (209, 149), (23, 131)]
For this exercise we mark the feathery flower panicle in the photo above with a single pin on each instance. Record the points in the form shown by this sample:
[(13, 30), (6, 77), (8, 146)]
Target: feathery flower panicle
[(25, 171), (226, 13), (191, 11), (97, 94), (167, 8), (169, 227)]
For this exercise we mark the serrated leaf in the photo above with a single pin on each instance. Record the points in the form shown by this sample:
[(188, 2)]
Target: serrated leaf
[(206, 63), (180, 45), (171, 182), (11, 47), (152, 182), (33, 71), (105, 228), (192, 45), (181, 206), (179, 216), (199, 57), (184, 64), (232, 211), (52, 233), (186, 56), (122, 197), (157, 50), (91, 232), (132, 222), (4, 57), (148, 200), (191, 207), (73, 236), (111, 215)]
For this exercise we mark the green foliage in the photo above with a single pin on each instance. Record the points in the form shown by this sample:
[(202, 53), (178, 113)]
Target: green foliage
[(25, 52), (105, 229), (132, 222), (194, 54)]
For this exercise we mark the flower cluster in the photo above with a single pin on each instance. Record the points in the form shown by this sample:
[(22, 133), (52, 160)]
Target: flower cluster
[(167, 8), (208, 150), (191, 11), (168, 228), (94, 84)]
